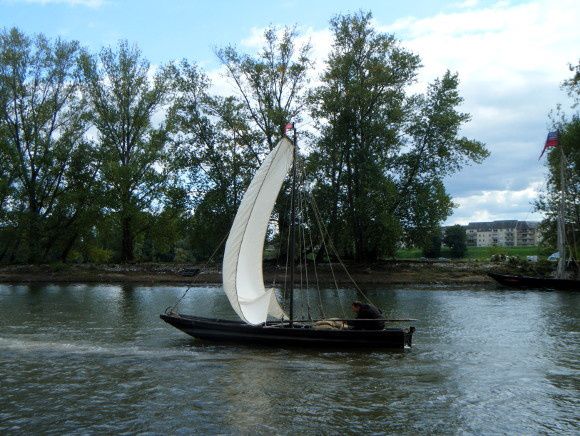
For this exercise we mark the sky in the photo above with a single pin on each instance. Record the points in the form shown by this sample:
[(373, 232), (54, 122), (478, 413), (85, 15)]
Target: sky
[(511, 57)]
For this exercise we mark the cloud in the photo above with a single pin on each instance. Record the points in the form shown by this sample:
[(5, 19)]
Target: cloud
[(497, 205), (255, 39), (509, 45), (466, 4), (220, 84)]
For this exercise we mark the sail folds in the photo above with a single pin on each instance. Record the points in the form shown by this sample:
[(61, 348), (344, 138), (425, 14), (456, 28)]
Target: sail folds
[(242, 267)]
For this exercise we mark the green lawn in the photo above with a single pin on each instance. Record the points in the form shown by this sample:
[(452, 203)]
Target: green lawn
[(479, 253)]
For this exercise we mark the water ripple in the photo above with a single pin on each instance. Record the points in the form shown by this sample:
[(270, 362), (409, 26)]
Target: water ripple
[(97, 359)]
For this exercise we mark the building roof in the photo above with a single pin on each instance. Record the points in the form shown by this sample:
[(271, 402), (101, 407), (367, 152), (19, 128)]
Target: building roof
[(492, 225), (501, 225)]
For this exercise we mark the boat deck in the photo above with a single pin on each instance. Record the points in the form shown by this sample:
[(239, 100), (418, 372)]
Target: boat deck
[(282, 334)]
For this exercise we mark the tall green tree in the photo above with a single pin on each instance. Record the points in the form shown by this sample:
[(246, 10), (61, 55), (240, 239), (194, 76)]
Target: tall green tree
[(8, 223), (217, 149), (125, 95), (382, 154), (227, 159), (272, 88), (42, 126), (568, 150), (80, 207)]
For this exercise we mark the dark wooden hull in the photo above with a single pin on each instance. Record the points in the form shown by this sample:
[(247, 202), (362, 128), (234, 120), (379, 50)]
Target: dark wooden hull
[(536, 282), (300, 334)]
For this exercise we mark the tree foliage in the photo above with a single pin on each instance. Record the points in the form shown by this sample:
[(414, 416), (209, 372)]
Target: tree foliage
[(432, 245), (43, 149), (456, 239), (382, 154), (105, 158), (214, 147), (568, 149), (272, 87), (123, 102)]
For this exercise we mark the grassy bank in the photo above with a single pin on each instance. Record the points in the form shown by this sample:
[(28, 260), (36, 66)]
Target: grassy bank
[(387, 272), (407, 267), (480, 253)]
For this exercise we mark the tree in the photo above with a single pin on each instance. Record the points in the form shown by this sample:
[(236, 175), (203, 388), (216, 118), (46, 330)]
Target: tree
[(568, 128), (213, 144), (42, 126), (124, 96), (456, 239), (272, 85), (432, 246), (272, 89), (381, 155), (79, 207)]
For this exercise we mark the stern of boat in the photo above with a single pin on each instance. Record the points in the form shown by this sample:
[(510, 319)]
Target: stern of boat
[(409, 336)]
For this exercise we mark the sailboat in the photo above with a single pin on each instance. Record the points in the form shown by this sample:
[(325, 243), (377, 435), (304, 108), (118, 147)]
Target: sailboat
[(559, 282), (262, 319)]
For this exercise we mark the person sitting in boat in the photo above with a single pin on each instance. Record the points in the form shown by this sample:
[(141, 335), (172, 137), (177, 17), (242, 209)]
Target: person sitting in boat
[(368, 317)]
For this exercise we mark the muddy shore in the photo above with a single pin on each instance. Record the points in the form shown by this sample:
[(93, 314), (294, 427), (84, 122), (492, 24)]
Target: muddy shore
[(387, 272)]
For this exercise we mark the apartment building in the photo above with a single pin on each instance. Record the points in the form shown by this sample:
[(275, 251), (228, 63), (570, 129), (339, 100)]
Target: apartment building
[(505, 233)]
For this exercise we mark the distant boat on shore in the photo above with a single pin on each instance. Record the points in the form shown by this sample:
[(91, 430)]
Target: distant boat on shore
[(548, 283)]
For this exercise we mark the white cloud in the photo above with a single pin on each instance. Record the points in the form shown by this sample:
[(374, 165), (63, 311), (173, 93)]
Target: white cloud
[(501, 198), (498, 204), (320, 40), (255, 39), (505, 45), (220, 83), (466, 4)]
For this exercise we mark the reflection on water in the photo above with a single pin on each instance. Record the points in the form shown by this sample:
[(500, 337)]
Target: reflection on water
[(85, 358)]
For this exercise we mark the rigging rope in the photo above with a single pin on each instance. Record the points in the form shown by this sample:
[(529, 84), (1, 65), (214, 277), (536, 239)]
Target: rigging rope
[(320, 305), (172, 309), (306, 291), (321, 228), (335, 251)]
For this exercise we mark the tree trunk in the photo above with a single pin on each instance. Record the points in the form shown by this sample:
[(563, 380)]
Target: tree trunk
[(14, 254), (126, 240), (33, 234), (68, 246)]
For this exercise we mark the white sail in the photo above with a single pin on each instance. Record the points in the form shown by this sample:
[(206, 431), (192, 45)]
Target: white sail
[(242, 267)]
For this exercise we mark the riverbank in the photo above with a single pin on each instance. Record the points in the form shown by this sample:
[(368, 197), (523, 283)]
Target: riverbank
[(386, 272)]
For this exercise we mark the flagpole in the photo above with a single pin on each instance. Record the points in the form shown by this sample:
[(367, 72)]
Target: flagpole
[(292, 228), (553, 141), (560, 272)]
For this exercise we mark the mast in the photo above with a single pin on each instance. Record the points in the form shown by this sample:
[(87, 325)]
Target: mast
[(560, 272), (292, 228)]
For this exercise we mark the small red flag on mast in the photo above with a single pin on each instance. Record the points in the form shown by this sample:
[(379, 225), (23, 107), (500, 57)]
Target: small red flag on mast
[(551, 141)]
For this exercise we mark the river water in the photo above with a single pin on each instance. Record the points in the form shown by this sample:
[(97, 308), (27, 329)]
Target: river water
[(85, 359)]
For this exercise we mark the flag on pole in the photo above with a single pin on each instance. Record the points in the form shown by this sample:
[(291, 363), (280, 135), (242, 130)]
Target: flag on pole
[(288, 126), (551, 141)]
